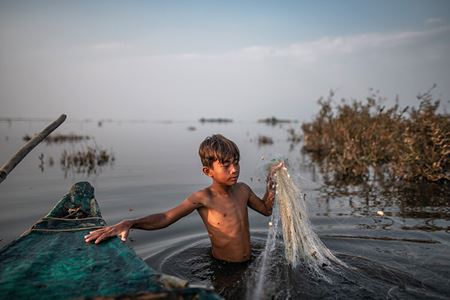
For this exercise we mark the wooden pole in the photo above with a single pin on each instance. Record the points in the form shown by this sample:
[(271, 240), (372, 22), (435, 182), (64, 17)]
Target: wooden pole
[(17, 158)]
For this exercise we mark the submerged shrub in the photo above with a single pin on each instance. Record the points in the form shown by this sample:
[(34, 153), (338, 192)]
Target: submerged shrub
[(264, 140), (425, 145), (86, 161), (354, 140)]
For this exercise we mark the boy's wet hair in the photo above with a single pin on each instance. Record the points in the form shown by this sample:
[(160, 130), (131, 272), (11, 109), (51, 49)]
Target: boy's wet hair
[(218, 147)]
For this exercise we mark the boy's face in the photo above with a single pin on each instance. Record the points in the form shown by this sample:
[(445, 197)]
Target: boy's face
[(224, 173)]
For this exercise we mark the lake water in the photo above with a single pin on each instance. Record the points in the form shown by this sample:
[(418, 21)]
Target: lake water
[(403, 254)]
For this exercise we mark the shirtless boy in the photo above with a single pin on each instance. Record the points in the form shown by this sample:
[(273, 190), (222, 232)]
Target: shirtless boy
[(222, 206)]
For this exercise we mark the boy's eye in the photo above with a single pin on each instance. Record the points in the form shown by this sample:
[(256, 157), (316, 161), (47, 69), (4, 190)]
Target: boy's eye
[(228, 163)]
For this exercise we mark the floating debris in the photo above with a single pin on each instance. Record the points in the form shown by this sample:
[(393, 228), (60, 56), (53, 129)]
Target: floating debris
[(192, 128), (215, 120)]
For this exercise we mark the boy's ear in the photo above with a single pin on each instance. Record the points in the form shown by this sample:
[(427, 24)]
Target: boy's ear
[(206, 171)]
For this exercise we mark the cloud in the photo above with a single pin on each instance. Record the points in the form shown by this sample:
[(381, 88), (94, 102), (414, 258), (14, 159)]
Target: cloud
[(128, 78), (301, 52), (110, 47), (312, 51), (434, 21)]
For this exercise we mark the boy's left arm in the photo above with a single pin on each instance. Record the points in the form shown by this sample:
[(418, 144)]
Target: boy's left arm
[(265, 205)]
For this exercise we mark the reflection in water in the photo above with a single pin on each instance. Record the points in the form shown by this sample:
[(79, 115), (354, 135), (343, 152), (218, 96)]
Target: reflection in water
[(413, 207)]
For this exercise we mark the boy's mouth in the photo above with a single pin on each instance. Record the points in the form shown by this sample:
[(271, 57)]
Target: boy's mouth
[(234, 178)]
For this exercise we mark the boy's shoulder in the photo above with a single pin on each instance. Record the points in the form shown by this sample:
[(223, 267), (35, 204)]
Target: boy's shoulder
[(242, 186), (202, 193), (200, 197)]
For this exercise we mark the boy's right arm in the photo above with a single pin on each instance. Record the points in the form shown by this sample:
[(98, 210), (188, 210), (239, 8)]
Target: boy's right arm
[(151, 222)]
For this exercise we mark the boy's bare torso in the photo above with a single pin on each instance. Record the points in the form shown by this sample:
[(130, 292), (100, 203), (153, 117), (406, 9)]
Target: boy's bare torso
[(225, 216), (223, 206)]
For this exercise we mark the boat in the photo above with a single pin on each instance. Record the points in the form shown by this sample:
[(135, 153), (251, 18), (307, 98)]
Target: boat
[(51, 260)]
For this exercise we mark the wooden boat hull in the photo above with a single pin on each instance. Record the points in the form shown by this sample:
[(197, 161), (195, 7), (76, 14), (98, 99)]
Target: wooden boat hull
[(52, 261)]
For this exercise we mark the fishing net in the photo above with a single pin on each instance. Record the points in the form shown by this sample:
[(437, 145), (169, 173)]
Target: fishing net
[(302, 245)]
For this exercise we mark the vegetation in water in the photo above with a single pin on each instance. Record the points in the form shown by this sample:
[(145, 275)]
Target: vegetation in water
[(360, 140), (86, 161), (274, 121), (61, 138), (264, 140)]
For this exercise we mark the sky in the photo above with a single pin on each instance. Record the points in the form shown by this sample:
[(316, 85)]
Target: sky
[(246, 60)]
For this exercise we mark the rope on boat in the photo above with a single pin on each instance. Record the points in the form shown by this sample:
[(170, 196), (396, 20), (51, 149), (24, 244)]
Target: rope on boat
[(65, 219), (66, 230)]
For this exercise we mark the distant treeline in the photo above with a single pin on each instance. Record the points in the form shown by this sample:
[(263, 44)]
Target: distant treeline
[(61, 138), (274, 121), (215, 120)]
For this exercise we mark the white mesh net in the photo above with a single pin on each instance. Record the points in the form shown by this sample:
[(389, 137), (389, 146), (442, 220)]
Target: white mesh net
[(301, 243)]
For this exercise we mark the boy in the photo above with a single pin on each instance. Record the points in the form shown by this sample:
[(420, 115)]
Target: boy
[(222, 206)]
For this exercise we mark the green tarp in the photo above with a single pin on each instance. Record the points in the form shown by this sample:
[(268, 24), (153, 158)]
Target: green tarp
[(52, 261)]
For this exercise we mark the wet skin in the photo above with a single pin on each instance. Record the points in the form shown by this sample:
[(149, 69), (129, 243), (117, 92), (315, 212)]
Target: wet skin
[(222, 207)]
